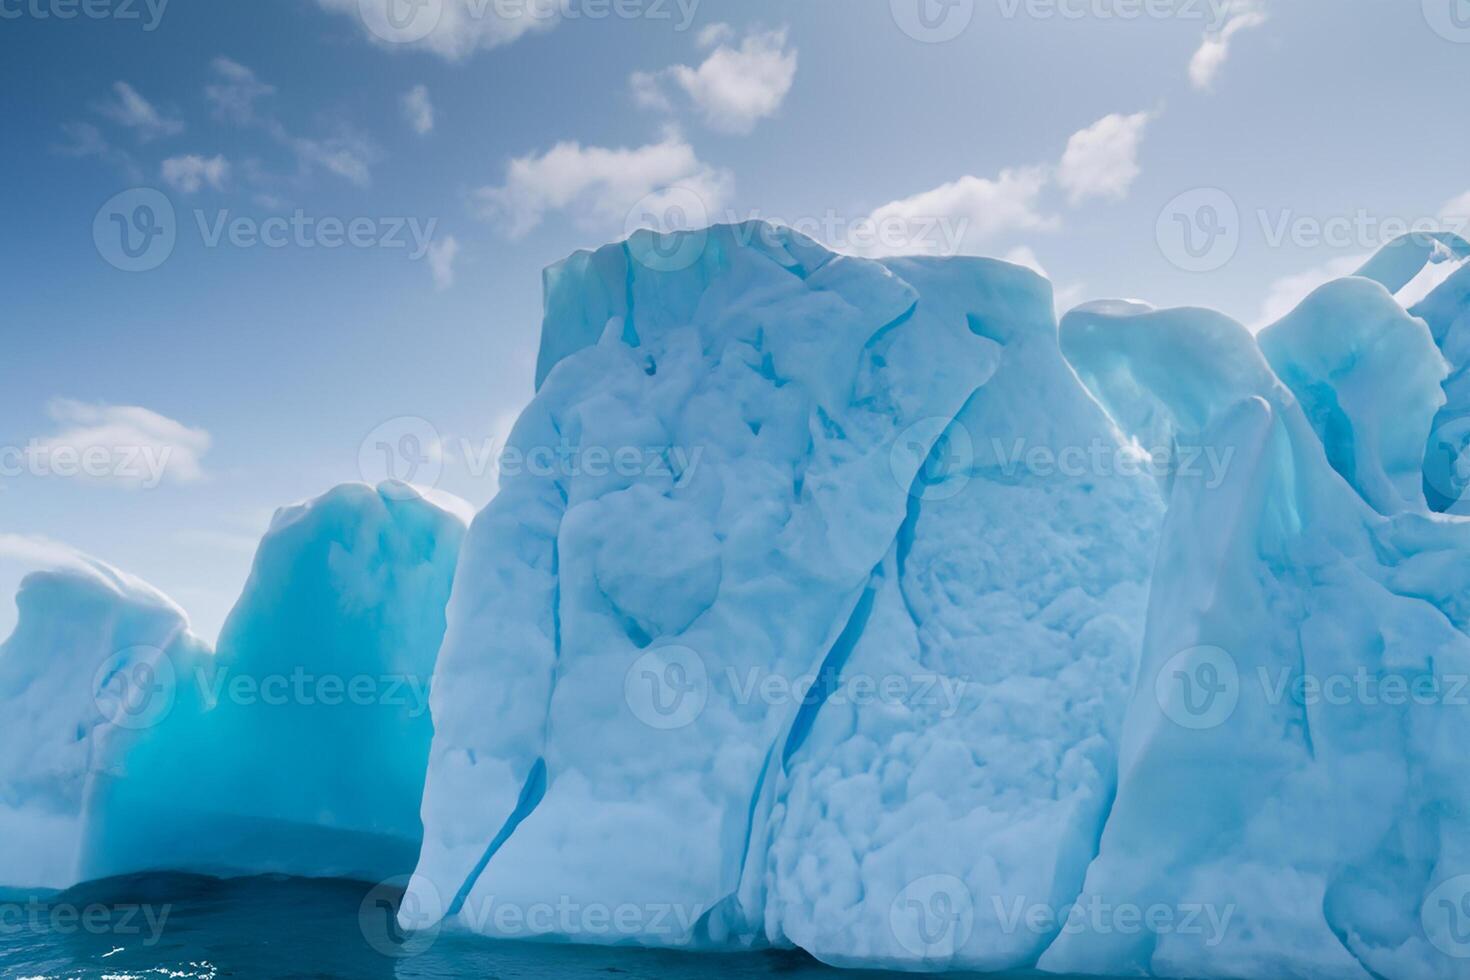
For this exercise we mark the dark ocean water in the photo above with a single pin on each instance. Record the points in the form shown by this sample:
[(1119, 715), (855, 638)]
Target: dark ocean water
[(183, 927)]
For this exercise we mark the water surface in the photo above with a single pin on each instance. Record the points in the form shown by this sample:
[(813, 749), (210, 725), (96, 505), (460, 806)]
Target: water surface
[(183, 927)]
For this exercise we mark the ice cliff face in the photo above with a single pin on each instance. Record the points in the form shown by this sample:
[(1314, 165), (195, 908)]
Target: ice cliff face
[(299, 746), (936, 637), (857, 608)]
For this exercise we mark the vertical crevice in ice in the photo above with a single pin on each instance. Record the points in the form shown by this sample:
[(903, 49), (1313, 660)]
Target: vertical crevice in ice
[(531, 795), (630, 327), (831, 667)]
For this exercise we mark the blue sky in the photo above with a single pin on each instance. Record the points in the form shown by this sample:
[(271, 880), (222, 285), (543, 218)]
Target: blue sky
[(481, 140)]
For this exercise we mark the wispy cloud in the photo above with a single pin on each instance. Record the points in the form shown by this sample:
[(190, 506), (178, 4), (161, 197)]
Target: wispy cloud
[(128, 108), (441, 257), (124, 445), (1214, 50), (235, 94), (85, 140), (419, 110), (188, 174)]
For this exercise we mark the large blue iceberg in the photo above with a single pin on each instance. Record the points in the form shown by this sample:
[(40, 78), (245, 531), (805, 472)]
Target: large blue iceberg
[(856, 606)]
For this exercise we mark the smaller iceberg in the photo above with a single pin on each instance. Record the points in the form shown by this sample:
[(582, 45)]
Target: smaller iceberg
[(299, 747), (87, 639)]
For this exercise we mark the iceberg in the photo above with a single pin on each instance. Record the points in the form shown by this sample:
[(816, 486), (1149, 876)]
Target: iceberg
[(86, 638), (849, 605), (838, 503), (297, 746), (1286, 783), (640, 632)]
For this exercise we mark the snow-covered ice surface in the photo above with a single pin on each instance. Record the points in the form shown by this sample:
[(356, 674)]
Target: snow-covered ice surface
[(857, 606)]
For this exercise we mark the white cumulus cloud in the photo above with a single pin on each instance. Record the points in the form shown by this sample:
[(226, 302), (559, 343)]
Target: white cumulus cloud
[(965, 216), (734, 87), (1209, 59), (188, 174), (599, 186), (1102, 160), (452, 29)]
